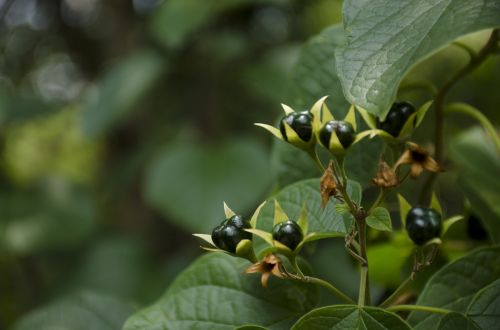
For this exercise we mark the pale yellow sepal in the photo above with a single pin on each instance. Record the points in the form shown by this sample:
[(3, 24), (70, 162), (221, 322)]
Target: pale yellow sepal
[(435, 203), (279, 215), (351, 117), (228, 212), (369, 119), (207, 238), (404, 208), (450, 222), (287, 109), (274, 131), (268, 237), (435, 240), (255, 216), (302, 222), (414, 120)]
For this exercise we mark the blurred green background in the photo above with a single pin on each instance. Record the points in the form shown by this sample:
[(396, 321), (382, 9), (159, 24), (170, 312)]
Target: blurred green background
[(123, 127), (125, 124)]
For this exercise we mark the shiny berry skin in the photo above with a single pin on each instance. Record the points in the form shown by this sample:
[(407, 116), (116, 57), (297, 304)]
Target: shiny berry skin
[(288, 233), (238, 222), (396, 118), (227, 235), (343, 129), (423, 224), (300, 122)]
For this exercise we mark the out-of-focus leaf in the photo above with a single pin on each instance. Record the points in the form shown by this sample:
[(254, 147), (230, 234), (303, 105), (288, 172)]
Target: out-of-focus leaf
[(120, 266), (214, 294), (361, 161), (19, 107), (119, 90), (350, 317), (479, 180), (176, 20), (55, 144), (454, 286), (454, 321), (83, 311), (484, 309), (386, 262), (385, 39), (57, 216), (189, 182)]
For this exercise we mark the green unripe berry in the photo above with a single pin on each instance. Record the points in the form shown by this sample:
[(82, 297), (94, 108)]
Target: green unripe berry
[(288, 233)]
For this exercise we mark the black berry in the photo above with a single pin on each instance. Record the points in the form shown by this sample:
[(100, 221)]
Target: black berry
[(227, 235), (423, 224), (396, 118), (288, 233), (300, 122), (343, 129)]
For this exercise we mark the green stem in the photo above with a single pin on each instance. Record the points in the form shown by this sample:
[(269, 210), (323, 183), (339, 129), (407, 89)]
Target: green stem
[(397, 293), (428, 309), (380, 198), (296, 267), (489, 48), (339, 294), (343, 187), (314, 156), (364, 284), (471, 111)]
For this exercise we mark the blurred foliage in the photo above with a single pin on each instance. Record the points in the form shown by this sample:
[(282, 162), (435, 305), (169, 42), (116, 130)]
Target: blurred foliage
[(123, 127), (125, 124)]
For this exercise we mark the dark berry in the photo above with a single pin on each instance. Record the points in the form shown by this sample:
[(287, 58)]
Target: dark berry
[(288, 233), (396, 118), (423, 224), (227, 235), (238, 222), (343, 129), (300, 122)]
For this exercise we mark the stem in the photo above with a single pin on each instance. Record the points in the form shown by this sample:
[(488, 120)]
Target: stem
[(296, 267), (428, 309), (380, 198), (314, 156), (397, 293), (343, 188), (339, 294), (489, 48), (364, 284), (476, 114)]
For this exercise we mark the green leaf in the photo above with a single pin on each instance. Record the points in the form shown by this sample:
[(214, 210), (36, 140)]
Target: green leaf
[(479, 162), (79, 312), (361, 161), (117, 93), (250, 327), (214, 294), (404, 208), (292, 198), (188, 182), (454, 286), (386, 38), (484, 308), (380, 219), (454, 321), (314, 74), (350, 317), (176, 20), (387, 260)]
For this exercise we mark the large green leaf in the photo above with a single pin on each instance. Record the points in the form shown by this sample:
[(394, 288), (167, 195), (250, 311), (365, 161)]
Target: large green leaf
[(189, 182), (454, 321), (484, 309), (454, 286), (361, 161), (315, 75), (350, 317), (386, 38), (214, 294), (84, 311), (116, 94), (479, 163)]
